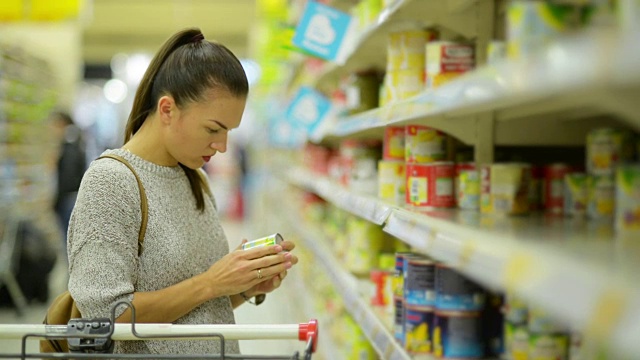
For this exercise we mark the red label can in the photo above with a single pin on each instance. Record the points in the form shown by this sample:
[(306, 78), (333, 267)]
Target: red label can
[(553, 187), (430, 185)]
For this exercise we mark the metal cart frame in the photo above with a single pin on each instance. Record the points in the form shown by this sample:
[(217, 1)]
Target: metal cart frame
[(93, 338)]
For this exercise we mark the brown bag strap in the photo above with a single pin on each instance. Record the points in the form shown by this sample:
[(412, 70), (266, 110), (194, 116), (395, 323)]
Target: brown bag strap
[(143, 199)]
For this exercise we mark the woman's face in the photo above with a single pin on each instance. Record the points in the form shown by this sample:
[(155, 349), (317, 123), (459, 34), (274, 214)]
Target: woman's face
[(199, 130)]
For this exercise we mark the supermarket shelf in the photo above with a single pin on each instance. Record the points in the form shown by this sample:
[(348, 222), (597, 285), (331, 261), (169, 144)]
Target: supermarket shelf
[(365, 206), (550, 99), (575, 269), (381, 338), (367, 50)]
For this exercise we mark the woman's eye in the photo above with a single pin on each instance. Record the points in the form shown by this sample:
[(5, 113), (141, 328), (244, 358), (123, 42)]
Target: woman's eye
[(212, 131)]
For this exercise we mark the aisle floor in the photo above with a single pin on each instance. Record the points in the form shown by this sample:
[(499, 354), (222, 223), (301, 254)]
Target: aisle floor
[(273, 311)]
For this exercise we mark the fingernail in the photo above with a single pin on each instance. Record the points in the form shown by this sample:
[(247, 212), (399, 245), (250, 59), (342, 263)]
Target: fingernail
[(278, 248), (287, 265), (287, 256)]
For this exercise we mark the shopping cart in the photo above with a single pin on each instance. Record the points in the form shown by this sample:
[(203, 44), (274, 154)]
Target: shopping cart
[(94, 338)]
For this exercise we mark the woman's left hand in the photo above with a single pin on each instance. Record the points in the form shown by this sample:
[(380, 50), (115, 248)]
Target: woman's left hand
[(274, 282)]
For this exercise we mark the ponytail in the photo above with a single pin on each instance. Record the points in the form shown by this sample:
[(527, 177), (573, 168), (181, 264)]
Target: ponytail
[(185, 67)]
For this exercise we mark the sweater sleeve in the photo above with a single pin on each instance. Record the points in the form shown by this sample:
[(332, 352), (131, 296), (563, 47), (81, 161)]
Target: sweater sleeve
[(103, 239)]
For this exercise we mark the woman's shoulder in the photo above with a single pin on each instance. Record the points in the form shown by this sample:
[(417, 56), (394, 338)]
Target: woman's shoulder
[(109, 173)]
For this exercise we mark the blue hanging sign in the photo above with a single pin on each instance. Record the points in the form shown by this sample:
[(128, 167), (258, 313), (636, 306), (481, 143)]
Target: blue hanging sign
[(308, 109), (322, 31)]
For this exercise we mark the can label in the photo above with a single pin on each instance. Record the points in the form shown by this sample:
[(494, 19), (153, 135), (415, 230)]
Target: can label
[(393, 145), (399, 314), (516, 311), (405, 49), (516, 341), (430, 185), (548, 347), (606, 148), (493, 324), (274, 239), (417, 329), (510, 188), (455, 292), (447, 60), (540, 322), (424, 144), (397, 283), (457, 335), (486, 207), (600, 197), (628, 200), (575, 194), (467, 186), (553, 188), (419, 282), (392, 183)]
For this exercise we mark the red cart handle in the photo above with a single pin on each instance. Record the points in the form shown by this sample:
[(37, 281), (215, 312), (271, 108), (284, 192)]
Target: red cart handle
[(309, 331)]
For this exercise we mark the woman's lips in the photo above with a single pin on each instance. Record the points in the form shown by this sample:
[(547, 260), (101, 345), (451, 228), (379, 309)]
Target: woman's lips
[(206, 158)]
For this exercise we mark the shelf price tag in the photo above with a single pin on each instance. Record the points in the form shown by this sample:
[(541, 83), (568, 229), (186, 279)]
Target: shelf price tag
[(324, 32)]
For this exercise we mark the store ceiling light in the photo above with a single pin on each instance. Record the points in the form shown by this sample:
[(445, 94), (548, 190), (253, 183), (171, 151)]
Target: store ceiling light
[(115, 91)]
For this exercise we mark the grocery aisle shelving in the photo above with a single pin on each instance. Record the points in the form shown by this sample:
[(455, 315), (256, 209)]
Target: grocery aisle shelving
[(381, 338), (574, 269), (543, 100)]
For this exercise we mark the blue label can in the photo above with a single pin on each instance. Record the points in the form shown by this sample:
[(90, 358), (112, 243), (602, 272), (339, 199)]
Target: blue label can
[(457, 293), (418, 327), (398, 324), (419, 281), (458, 334)]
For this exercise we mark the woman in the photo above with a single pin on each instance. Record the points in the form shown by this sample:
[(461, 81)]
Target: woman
[(191, 96)]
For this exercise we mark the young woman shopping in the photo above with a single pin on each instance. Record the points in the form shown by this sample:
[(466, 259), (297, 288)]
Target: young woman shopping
[(191, 96)]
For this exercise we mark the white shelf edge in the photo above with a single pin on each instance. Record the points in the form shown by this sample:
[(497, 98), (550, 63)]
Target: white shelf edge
[(379, 336), (516, 83), (568, 287)]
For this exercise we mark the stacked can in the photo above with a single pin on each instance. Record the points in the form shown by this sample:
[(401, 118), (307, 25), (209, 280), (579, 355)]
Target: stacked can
[(606, 150), (467, 186), (553, 187), (419, 297), (628, 201), (405, 75), (391, 169), (457, 324), (505, 188), (364, 243), (447, 60), (430, 177), (359, 159)]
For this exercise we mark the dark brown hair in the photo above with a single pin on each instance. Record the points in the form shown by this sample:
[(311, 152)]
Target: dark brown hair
[(185, 67)]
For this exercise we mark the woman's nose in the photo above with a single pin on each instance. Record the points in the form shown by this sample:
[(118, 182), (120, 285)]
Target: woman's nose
[(219, 146)]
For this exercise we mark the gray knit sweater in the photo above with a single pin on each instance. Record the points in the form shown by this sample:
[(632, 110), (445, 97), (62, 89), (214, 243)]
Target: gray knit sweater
[(180, 242)]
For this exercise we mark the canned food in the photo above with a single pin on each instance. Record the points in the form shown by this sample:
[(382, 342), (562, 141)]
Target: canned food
[(404, 84), (392, 182), (274, 239), (510, 188), (575, 194), (553, 187), (455, 292), (600, 197), (398, 278), (399, 315), (393, 145), (496, 51), (516, 310), (536, 188), (516, 341), (364, 244), (424, 144), (430, 185), (467, 186), (457, 334), (628, 200), (540, 322), (381, 280), (486, 207), (548, 347), (606, 148), (417, 329), (447, 60), (493, 326), (419, 281), (405, 49)]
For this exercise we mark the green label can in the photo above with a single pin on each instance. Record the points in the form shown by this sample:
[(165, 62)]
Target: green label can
[(628, 200), (274, 239)]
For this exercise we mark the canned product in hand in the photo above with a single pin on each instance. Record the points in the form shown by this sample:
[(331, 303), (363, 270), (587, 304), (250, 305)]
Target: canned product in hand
[(274, 239)]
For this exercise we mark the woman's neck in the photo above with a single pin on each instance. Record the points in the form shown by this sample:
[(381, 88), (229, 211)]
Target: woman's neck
[(147, 143)]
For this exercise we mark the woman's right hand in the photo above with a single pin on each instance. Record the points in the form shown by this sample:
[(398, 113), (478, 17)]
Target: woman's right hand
[(238, 271)]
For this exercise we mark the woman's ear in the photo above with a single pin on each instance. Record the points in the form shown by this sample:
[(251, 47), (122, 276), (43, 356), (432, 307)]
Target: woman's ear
[(166, 108)]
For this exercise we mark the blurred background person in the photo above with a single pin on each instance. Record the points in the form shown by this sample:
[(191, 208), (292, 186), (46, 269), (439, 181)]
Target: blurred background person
[(71, 166)]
